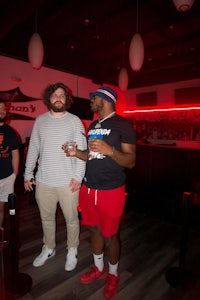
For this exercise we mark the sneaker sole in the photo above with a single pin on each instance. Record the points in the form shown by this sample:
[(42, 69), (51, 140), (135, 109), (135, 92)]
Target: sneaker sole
[(70, 269), (39, 265)]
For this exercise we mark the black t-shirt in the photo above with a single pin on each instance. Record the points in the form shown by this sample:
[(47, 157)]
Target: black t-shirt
[(8, 142), (102, 172)]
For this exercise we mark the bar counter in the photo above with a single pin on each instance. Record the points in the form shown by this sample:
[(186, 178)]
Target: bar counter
[(162, 173)]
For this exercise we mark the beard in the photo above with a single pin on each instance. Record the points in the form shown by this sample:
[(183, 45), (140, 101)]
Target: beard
[(98, 107), (55, 108)]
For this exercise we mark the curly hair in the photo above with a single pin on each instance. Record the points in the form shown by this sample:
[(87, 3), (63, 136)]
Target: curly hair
[(51, 88)]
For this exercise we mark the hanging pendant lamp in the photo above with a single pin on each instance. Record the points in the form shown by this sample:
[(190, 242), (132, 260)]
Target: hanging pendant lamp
[(123, 79), (123, 74), (136, 50), (35, 49), (183, 5)]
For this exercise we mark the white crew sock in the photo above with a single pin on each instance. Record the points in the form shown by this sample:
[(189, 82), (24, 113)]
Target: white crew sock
[(113, 268), (98, 261)]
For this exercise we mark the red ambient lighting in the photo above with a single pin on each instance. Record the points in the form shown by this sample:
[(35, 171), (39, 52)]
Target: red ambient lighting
[(163, 109)]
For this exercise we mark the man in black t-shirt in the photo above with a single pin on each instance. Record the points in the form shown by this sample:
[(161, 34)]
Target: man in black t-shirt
[(111, 148), (9, 160)]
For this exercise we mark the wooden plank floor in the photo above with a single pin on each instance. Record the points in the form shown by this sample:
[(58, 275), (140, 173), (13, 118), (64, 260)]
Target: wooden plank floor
[(150, 246)]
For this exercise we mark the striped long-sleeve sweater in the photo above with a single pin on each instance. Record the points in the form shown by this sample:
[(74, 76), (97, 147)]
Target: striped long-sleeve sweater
[(48, 135)]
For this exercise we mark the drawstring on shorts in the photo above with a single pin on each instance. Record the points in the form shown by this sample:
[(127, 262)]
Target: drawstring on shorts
[(95, 196)]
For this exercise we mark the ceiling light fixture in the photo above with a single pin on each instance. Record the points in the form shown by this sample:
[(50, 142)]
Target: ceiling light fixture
[(183, 5), (35, 49), (123, 79), (136, 50), (123, 74)]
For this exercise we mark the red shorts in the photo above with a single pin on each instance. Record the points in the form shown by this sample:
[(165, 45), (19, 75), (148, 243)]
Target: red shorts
[(103, 208)]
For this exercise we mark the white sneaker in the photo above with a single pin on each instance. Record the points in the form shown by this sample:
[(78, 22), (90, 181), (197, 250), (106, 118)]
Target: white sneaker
[(71, 259), (43, 256)]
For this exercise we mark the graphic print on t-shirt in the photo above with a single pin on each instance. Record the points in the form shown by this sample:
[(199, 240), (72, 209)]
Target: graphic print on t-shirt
[(3, 151), (97, 133)]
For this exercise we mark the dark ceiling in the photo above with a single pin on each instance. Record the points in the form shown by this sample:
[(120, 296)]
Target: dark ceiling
[(92, 38)]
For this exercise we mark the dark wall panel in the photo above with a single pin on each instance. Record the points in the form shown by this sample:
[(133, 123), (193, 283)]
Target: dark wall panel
[(189, 95), (146, 99), (81, 108)]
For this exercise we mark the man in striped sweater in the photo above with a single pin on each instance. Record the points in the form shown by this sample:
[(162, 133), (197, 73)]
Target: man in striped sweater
[(58, 178)]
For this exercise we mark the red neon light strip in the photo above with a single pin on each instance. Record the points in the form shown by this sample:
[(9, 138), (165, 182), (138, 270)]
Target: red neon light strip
[(161, 109)]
